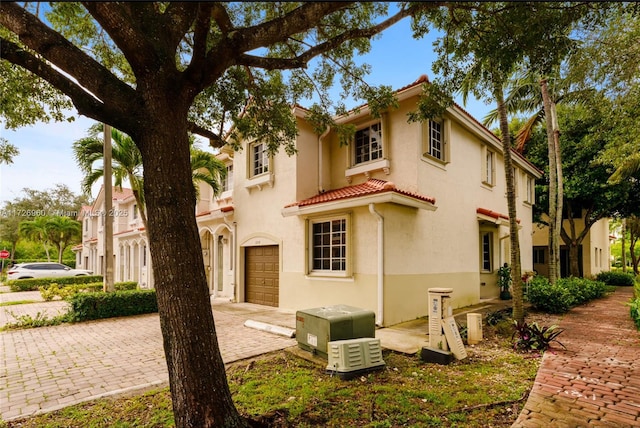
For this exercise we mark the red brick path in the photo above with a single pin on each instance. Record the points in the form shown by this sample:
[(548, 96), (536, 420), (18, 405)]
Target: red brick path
[(595, 382)]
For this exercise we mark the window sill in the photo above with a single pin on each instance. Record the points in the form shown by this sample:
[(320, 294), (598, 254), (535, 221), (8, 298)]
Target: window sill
[(368, 168), (434, 161), (259, 181), (488, 186), (329, 276)]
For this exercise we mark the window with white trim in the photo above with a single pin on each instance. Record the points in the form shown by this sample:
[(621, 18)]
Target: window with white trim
[(227, 181), (259, 159), (434, 141), (489, 167), (368, 143), (531, 190), (487, 251), (135, 211), (328, 242)]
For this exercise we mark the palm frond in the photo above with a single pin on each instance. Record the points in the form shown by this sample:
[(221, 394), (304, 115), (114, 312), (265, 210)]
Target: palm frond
[(627, 169), (524, 133)]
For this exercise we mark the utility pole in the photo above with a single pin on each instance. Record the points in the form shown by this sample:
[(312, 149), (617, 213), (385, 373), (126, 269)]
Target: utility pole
[(108, 285)]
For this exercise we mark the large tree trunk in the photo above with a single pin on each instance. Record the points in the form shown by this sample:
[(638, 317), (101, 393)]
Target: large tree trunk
[(197, 378), (554, 252), (516, 268), (559, 185), (574, 259)]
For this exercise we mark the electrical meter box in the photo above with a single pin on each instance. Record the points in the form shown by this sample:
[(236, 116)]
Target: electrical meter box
[(316, 327)]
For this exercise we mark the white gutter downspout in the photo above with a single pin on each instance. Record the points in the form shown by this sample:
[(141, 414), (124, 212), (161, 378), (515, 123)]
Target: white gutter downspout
[(232, 251), (320, 177), (380, 312)]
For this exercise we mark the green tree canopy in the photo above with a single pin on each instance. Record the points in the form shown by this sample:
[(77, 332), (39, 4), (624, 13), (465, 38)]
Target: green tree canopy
[(227, 71)]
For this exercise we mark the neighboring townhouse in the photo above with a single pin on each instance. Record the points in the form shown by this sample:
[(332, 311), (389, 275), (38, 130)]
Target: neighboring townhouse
[(373, 224), (132, 260), (594, 253)]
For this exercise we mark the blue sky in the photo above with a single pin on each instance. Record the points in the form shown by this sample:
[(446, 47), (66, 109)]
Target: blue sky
[(46, 157)]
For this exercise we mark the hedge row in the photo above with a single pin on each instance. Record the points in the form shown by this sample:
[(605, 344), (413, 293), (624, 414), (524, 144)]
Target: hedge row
[(33, 284), (566, 293), (616, 278), (92, 306), (54, 290)]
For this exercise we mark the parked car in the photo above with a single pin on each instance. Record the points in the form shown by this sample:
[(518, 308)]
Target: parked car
[(43, 270)]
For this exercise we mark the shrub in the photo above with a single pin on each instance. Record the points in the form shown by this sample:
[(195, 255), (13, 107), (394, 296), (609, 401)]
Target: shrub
[(531, 337), (635, 311), (547, 297), (39, 320), (33, 284), (91, 306), (583, 290), (53, 290), (495, 317), (616, 278)]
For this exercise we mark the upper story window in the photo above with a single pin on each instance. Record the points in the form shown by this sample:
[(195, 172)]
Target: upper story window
[(488, 167), (259, 159), (368, 143), (227, 181), (531, 190), (135, 211)]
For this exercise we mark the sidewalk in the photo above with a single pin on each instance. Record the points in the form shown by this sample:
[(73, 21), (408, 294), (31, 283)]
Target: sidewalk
[(595, 382), (48, 368)]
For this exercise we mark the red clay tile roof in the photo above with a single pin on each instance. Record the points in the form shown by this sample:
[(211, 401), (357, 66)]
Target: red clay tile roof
[(121, 195), (224, 209), (138, 229), (371, 187), (493, 214)]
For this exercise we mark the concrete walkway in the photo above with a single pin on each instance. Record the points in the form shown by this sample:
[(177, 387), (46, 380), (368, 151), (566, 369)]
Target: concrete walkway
[(595, 382)]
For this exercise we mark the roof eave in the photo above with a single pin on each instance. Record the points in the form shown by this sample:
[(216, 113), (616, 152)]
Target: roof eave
[(343, 204)]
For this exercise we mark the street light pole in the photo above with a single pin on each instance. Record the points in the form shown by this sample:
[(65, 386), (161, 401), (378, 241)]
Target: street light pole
[(108, 213)]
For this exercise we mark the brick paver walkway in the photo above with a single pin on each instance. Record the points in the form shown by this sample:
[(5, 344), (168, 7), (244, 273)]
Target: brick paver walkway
[(47, 368), (595, 382)]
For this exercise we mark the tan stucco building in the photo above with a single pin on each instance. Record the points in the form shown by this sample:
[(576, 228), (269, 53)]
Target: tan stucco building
[(402, 208), (594, 254)]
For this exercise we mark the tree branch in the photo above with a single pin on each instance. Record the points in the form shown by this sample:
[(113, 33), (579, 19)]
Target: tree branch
[(86, 103), (214, 139), (120, 22), (91, 75)]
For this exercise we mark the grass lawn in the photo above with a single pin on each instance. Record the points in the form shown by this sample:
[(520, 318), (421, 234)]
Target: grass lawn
[(488, 389)]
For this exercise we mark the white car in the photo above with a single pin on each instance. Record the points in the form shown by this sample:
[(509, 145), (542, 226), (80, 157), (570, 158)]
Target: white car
[(43, 270)]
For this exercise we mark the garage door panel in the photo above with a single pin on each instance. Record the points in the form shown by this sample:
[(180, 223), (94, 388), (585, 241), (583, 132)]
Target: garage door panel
[(262, 275)]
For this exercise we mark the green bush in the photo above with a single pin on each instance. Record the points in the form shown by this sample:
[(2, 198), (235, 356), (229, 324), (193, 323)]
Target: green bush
[(53, 290), (91, 306), (33, 284), (635, 311), (616, 278), (547, 297), (583, 290), (564, 294)]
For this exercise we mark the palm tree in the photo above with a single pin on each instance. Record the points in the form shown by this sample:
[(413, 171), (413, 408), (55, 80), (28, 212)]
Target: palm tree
[(36, 230), (127, 164), (61, 231), (529, 93)]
